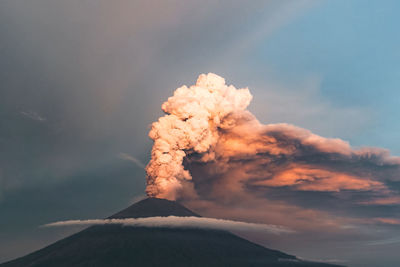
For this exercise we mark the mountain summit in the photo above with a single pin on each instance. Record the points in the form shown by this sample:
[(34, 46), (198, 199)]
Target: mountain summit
[(151, 207), (120, 246)]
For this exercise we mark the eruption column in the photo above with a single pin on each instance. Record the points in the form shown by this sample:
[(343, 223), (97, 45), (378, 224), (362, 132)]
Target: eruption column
[(194, 117)]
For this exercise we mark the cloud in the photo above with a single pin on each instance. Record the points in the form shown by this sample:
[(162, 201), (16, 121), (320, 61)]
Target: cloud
[(82, 58), (310, 179), (101, 99), (392, 221), (207, 126), (388, 241), (390, 200), (128, 157), (332, 261), (214, 156), (33, 115), (180, 222)]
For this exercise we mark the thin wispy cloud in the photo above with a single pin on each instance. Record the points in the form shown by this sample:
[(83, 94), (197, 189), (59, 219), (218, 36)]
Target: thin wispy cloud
[(31, 114), (390, 221), (390, 200), (181, 222), (388, 241)]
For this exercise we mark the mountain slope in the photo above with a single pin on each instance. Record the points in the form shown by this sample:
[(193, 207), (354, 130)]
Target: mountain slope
[(116, 245), (151, 207)]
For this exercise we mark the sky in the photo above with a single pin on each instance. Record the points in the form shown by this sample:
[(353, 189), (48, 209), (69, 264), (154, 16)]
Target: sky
[(82, 81)]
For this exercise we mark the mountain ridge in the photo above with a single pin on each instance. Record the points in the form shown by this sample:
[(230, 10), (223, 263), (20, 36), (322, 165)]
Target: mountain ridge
[(120, 246)]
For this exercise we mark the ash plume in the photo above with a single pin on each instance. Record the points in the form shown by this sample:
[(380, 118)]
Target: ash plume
[(209, 144), (195, 117)]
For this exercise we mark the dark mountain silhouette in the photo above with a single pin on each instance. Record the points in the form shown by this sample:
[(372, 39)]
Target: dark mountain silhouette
[(115, 245), (151, 207)]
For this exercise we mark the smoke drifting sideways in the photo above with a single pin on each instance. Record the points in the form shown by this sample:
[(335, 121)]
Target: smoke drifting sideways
[(208, 130)]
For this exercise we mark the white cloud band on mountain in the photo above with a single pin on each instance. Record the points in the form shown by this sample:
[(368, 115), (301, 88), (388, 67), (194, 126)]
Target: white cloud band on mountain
[(180, 222)]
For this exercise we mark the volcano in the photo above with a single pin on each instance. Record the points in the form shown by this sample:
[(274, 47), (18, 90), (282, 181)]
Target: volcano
[(117, 245)]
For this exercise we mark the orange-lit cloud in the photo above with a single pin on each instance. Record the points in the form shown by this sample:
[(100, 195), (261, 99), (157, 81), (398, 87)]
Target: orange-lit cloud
[(390, 200), (313, 179), (393, 221)]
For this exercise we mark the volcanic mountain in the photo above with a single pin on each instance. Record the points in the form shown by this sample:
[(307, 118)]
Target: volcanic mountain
[(117, 245)]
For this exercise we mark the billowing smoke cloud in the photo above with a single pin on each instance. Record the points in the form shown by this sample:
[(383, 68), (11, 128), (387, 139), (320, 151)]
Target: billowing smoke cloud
[(180, 222), (210, 145), (195, 116)]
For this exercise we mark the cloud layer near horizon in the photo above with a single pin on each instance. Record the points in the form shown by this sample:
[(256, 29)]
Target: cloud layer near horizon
[(180, 222)]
